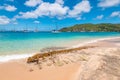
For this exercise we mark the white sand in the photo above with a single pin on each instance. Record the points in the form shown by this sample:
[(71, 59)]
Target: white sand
[(100, 63)]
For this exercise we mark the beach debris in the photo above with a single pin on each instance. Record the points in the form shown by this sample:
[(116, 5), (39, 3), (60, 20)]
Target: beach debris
[(36, 57), (40, 67), (31, 70), (66, 62), (59, 63), (83, 58), (48, 49), (49, 64)]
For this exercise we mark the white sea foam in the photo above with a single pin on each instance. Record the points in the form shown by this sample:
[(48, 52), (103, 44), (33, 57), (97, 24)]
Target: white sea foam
[(93, 41), (6, 58)]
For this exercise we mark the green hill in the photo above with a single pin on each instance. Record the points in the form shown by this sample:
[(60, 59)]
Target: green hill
[(103, 27)]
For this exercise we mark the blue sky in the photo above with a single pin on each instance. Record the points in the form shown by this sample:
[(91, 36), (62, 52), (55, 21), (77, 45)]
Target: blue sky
[(19, 14)]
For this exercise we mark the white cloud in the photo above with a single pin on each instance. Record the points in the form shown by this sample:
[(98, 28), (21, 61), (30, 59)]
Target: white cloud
[(46, 9), (10, 0), (15, 22), (108, 3), (99, 17), (37, 22), (32, 3), (115, 14), (8, 7), (59, 2), (27, 15), (78, 18), (57, 9), (15, 18), (82, 7), (4, 20)]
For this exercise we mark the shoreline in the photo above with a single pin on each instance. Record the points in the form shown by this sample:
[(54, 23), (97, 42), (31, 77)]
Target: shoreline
[(7, 58), (93, 41), (85, 64)]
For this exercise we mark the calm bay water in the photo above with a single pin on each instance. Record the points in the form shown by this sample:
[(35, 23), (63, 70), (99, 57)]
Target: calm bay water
[(25, 43)]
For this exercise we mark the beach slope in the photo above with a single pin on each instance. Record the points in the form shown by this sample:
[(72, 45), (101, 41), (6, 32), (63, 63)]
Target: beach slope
[(99, 63)]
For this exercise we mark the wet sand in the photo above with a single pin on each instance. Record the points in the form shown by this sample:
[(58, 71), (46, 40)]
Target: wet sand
[(99, 63)]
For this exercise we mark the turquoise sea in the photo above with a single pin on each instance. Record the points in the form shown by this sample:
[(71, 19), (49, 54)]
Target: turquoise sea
[(20, 43)]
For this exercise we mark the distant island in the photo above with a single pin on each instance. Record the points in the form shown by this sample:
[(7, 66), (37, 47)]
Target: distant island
[(103, 27)]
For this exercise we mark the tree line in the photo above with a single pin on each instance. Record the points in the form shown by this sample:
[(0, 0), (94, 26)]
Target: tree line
[(103, 27)]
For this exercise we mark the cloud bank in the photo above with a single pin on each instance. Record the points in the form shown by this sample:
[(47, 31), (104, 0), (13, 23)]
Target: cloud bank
[(108, 3), (56, 9)]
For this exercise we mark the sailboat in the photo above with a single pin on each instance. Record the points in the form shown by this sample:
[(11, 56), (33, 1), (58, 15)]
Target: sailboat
[(14, 30), (56, 30), (26, 30), (36, 30)]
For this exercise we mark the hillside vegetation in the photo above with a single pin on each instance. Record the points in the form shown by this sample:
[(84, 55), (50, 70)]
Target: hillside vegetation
[(103, 27)]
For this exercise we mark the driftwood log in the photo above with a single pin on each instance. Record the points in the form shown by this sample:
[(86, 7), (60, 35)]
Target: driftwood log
[(35, 58)]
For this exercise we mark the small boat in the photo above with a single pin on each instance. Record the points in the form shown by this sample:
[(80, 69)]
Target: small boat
[(36, 30), (25, 31), (55, 31)]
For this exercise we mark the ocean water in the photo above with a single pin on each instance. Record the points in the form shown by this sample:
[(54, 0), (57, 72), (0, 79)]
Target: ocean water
[(19, 43)]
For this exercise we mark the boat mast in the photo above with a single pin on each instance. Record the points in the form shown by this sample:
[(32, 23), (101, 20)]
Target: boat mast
[(26, 28), (56, 25)]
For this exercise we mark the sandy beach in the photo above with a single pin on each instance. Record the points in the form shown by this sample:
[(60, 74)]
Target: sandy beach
[(99, 63), (59, 39)]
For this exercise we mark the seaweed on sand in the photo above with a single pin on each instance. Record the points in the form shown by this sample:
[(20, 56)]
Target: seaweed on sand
[(36, 57)]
